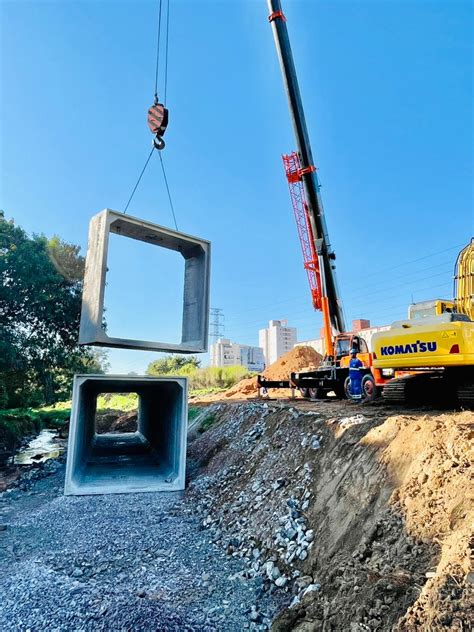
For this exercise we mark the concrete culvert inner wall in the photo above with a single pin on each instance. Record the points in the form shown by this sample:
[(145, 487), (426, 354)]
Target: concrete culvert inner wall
[(152, 458)]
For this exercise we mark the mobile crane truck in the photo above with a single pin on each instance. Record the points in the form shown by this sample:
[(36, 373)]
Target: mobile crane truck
[(318, 255)]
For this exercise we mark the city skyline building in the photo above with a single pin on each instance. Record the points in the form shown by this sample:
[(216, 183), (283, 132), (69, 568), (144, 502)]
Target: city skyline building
[(276, 340)]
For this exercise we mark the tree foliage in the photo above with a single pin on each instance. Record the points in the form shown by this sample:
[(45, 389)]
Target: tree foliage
[(174, 365), (207, 378), (40, 301)]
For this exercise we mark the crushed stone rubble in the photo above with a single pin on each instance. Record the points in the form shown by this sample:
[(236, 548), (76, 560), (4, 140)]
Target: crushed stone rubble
[(121, 562), (289, 519), (273, 549), (302, 496)]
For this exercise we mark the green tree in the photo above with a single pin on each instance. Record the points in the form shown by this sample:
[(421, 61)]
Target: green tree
[(40, 302), (174, 365)]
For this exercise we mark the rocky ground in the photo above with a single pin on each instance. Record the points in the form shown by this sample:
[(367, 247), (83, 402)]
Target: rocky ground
[(362, 515), (301, 516), (117, 562)]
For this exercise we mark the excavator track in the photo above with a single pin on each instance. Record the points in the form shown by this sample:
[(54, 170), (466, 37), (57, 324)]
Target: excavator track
[(466, 395), (429, 388), (411, 389)]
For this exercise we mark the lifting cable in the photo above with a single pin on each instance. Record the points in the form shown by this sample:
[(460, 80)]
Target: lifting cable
[(168, 189), (158, 114), (139, 178), (158, 38)]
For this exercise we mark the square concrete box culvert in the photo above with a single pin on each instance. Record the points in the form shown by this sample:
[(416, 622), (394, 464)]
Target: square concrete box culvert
[(196, 252), (149, 460)]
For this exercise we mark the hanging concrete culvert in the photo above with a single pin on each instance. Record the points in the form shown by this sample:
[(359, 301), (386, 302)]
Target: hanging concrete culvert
[(196, 253)]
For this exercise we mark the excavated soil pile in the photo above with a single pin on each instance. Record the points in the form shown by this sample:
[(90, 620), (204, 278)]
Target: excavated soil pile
[(294, 360), (360, 517), (116, 421)]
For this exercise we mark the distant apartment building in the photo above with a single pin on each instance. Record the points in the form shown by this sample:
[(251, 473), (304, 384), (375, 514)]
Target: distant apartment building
[(361, 327), (275, 340), (226, 353)]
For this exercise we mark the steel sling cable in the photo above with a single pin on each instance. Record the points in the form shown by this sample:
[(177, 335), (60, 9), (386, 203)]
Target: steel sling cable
[(139, 178), (168, 189)]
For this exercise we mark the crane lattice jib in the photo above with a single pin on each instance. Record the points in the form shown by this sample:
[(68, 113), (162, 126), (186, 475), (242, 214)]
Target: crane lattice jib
[(310, 258)]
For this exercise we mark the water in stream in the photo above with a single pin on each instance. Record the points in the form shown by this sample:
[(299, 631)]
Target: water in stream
[(47, 445)]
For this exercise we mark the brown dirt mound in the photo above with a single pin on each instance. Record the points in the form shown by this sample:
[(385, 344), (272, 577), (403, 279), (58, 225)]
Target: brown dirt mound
[(294, 360)]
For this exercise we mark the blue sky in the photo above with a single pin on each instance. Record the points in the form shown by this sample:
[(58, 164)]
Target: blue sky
[(387, 88)]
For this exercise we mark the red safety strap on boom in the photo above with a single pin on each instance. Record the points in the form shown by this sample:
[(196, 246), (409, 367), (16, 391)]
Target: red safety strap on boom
[(275, 15), (304, 170)]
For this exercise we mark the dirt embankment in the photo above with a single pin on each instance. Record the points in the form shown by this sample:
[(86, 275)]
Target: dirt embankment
[(294, 360), (116, 421), (361, 516)]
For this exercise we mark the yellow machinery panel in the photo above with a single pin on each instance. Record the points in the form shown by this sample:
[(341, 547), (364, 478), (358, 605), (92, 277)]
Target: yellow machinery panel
[(429, 344), (465, 281)]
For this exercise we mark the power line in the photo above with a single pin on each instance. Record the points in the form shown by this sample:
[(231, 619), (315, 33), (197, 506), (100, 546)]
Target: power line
[(375, 292), (400, 265), (309, 317), (356, 288), (349, 303), (400, 276)]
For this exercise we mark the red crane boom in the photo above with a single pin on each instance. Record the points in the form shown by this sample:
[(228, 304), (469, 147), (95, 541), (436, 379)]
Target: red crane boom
[(294, 175)]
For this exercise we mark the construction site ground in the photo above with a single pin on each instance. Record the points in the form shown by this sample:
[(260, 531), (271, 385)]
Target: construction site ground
[(297, 516)]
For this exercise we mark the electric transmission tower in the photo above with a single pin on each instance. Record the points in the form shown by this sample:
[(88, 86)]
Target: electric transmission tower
[(216, 325)]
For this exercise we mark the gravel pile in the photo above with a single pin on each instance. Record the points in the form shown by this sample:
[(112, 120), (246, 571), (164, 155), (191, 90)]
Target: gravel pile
[(261, 517), (306, 494), (117, 562)]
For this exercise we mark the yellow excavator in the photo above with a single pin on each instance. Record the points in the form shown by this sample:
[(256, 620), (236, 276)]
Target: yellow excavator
[(432, 352)]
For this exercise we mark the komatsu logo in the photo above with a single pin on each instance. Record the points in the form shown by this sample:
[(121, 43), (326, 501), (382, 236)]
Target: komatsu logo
[(415, 347)]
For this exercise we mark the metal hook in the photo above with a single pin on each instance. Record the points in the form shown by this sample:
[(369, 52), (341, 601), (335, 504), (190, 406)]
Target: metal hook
[(158, 143)]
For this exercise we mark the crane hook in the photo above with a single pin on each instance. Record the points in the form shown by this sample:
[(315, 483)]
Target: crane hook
[(157, 123), (158, 143)]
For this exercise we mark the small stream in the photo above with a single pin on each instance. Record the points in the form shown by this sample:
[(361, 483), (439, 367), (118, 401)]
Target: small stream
[(47, 445)]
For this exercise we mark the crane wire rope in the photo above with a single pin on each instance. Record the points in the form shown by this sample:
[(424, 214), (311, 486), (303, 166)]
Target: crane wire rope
[(158, 42), (166, 49), (158, 38)]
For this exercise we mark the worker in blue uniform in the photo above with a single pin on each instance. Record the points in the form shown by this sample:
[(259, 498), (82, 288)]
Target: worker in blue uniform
[(355, 376)]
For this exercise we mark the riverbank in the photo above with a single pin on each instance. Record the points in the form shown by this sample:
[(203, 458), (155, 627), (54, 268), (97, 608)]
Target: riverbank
[(20, 424)]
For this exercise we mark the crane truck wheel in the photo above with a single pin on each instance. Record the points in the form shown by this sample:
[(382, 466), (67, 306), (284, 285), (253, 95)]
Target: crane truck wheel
[(347, 388), (369, 388), (317, 393)]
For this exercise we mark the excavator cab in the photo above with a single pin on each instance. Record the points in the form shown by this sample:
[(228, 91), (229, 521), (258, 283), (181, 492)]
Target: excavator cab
[(426, 309)]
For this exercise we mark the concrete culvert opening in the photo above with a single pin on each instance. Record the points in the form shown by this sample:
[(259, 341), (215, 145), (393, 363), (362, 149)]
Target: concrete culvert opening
[(117, 412), (150, 457)]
